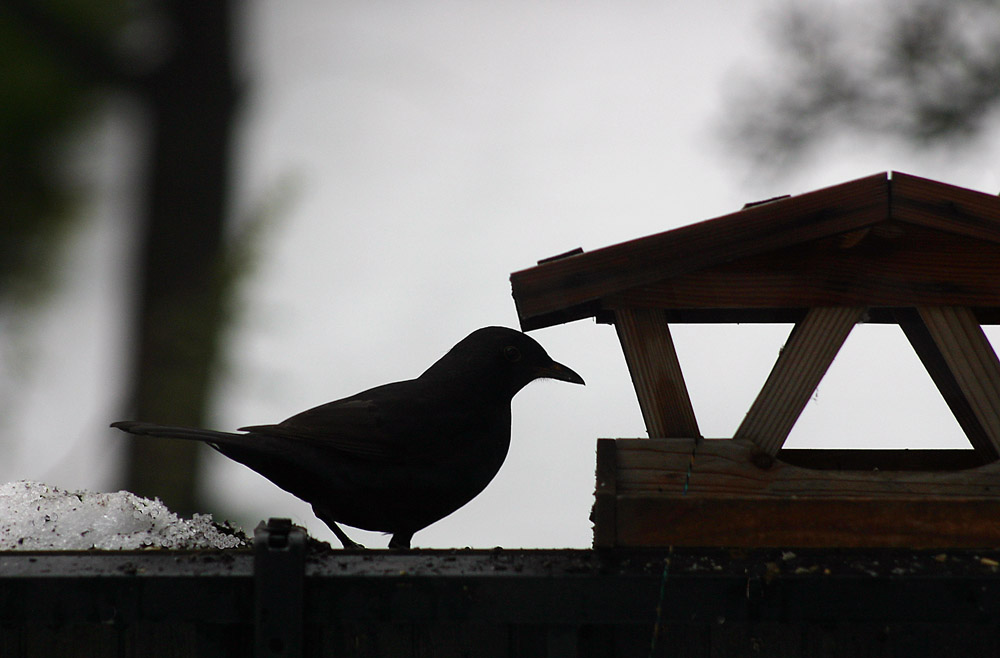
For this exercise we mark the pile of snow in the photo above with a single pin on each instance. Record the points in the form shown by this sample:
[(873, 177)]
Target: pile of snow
[(37, 517)]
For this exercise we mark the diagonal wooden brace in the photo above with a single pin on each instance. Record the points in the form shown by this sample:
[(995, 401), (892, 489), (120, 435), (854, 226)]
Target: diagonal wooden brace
[(656, 373), (805, 358), (965, 369)]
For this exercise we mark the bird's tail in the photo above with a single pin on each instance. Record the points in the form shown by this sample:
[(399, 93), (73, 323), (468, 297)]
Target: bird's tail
[(171, 432)]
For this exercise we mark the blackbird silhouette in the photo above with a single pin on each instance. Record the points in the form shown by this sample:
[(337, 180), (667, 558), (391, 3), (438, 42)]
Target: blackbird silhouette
[(397, 457)]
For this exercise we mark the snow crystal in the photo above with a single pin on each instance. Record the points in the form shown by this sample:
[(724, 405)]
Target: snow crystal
[(37, 517)]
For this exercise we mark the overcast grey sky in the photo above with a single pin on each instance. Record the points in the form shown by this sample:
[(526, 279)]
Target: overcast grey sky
[(412, 155)]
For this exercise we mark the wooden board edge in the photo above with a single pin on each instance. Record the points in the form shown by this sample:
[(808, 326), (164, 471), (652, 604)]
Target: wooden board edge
[(605, 509), (919, 523)]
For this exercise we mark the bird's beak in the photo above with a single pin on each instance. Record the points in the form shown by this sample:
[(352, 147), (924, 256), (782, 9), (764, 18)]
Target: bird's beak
[(558, 371)]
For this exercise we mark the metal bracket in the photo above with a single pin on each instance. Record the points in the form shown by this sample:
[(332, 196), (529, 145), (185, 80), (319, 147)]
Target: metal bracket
[(279, 574)]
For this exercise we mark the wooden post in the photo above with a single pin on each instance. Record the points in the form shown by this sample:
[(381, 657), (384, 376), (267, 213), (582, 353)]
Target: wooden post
[(656, 373), (606, 495)]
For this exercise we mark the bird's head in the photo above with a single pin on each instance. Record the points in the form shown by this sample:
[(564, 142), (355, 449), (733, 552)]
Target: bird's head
[(503, 359)]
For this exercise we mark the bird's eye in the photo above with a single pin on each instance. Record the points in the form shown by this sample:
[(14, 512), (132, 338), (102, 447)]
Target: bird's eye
[(511, 353)]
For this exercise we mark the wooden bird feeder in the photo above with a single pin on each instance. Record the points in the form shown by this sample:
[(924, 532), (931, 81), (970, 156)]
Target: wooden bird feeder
[(889, 248)]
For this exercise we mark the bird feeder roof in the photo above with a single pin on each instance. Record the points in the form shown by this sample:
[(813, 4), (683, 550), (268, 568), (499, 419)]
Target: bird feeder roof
[(884, 241)]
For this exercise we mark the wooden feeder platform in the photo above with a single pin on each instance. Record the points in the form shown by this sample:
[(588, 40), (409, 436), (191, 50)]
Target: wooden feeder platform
[(889, 248)]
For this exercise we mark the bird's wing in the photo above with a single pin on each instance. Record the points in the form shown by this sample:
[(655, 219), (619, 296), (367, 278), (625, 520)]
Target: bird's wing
[(393, 422), (349, 426)]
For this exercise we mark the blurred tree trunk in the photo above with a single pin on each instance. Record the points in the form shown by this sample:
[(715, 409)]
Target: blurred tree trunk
[(183, 76), (182, 279)]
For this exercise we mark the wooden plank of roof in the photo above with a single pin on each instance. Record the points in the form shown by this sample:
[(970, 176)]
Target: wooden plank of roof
[(656, 373), (890, 264), (569, 288), (783, 315), (803, 361), (947, 207), (972, 363)]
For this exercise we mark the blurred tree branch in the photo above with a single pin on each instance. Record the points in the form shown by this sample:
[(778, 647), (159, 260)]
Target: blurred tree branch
[(925, 72)]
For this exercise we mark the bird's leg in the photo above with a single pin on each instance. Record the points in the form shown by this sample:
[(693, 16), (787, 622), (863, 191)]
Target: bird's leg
[(401, 540), (325, 517), (342, 536)]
